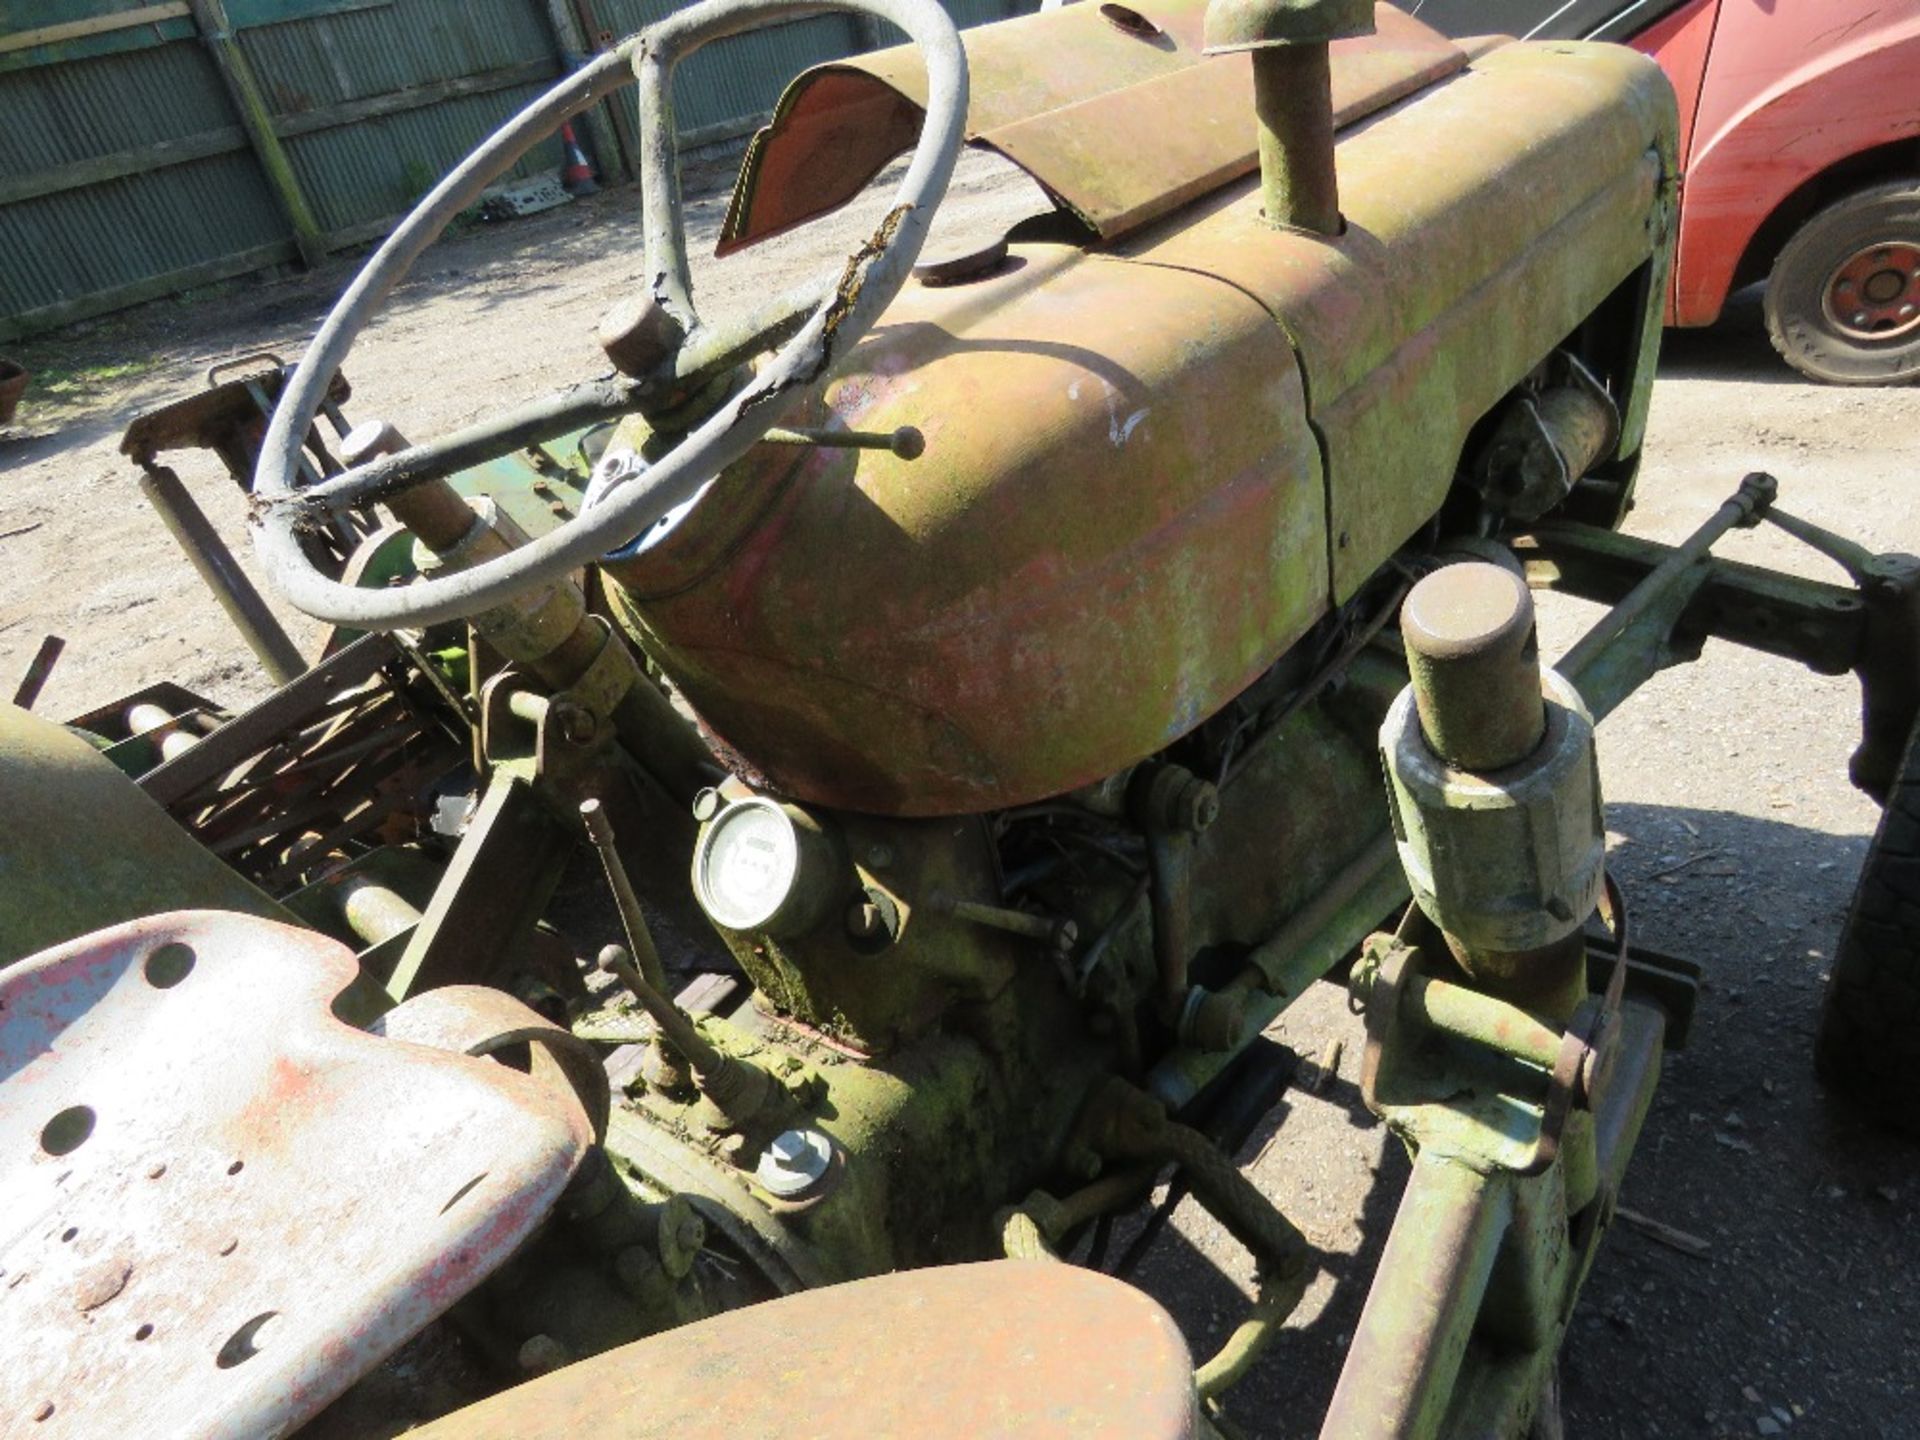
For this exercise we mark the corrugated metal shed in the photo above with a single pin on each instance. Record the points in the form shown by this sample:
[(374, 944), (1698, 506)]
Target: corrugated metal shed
[(402, 91), (130, 168), (729, 84), (93, 117)]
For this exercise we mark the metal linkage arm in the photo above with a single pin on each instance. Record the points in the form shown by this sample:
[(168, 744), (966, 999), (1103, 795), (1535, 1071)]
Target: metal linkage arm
[(1667, 601)]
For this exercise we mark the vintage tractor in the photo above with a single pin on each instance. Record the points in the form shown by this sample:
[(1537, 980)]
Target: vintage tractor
[(1004, 681)]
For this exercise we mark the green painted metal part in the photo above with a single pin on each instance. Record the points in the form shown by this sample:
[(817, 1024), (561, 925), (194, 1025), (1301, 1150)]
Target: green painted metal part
[(1151, 471), (877, 634), (1477, 1285), (877, 994), (971, 1050), (1463, 263), (995, 1099), (83, 848), (1119, 531)]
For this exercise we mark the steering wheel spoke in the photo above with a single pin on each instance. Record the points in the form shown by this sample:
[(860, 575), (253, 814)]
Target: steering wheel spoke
[(811, 327)]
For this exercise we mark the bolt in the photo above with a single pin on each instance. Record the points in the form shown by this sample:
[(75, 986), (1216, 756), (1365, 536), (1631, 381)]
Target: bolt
[(794, 1162), (1177, 801), (576, 723), (691, 1232), (542, 1353), (1860, 317)]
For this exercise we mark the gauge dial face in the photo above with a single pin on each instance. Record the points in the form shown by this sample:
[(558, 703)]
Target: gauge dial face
[(749, 861)]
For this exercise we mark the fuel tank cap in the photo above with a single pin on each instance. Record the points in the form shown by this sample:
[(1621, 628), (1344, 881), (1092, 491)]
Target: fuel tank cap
[(960, 262)]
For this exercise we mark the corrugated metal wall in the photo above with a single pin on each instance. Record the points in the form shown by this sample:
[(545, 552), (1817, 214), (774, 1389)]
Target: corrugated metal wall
[(126, 171), (118, 234), (497, 54), (735, 81)]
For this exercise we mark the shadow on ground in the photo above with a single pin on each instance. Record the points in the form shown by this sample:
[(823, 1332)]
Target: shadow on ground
[(1736, 347)]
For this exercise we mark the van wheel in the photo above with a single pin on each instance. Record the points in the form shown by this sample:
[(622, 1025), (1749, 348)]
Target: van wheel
[(1869, 1042), (1843, 302)]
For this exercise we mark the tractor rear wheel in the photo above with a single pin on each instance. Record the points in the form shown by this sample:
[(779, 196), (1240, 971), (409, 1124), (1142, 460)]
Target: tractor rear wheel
[(1843, 301), (1869, 1043)]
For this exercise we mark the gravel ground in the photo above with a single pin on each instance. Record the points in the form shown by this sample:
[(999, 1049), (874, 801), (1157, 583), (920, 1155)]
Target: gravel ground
[(1732, 824)]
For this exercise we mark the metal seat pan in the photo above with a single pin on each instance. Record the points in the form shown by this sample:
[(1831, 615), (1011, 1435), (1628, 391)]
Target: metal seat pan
[(220, 1205), (1022, 1348)]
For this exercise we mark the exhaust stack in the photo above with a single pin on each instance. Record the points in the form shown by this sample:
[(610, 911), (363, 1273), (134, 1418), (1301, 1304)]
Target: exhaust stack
[(1292, 98)]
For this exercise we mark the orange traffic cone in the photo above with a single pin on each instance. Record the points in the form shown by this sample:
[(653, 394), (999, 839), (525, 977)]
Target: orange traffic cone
[(576, 171)]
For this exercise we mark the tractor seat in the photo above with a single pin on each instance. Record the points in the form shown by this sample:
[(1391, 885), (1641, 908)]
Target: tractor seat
[(1008, 1348), (219, 1205)]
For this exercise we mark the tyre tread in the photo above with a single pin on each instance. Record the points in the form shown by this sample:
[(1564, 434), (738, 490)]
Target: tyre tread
[(1795, 326)]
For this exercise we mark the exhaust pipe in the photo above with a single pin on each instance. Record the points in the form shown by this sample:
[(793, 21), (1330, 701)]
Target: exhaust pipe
[(1292, 98)]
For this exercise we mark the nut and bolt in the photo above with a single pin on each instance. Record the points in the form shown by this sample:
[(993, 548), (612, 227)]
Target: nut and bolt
[(794, 1162), (576, 723), (1173, 800)]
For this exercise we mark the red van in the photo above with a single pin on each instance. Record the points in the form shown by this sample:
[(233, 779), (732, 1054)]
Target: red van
[(1800, 142)]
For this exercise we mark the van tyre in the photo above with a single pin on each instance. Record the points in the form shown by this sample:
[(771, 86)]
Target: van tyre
[(1843, 301), (1869, 1042)]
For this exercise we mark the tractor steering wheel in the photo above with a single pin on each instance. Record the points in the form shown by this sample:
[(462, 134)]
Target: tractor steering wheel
[(817, 325)]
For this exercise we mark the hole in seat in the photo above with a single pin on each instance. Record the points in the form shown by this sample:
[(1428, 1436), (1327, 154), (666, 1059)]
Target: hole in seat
[(246, 1342), (462, 1193), (169, 965), (67, 1131)]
